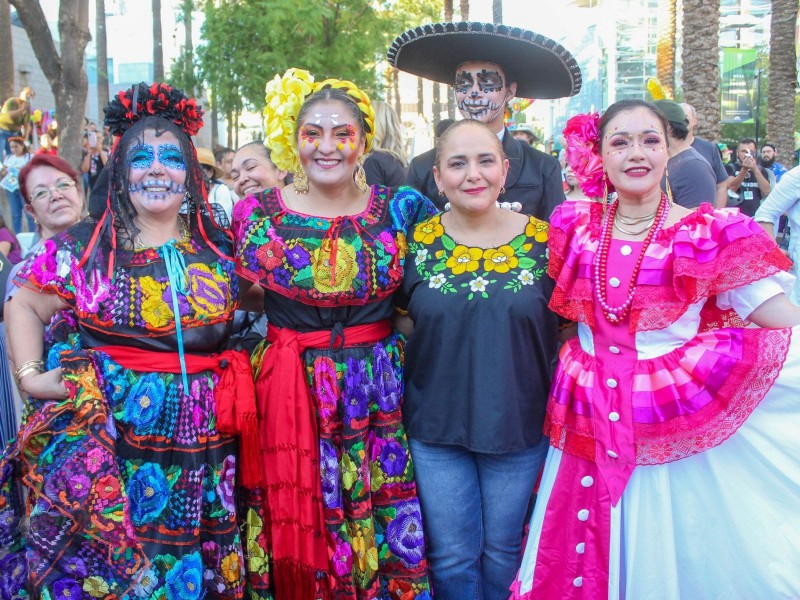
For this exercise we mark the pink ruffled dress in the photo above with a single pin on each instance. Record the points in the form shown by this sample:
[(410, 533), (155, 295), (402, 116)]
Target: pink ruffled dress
[(674, 467)]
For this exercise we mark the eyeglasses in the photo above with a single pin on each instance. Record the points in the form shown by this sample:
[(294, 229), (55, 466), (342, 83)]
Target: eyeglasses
[(46, 193)]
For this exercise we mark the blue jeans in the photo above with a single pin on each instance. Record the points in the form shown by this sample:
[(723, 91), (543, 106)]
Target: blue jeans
[(15, 203), (473, 506), (5, 148)]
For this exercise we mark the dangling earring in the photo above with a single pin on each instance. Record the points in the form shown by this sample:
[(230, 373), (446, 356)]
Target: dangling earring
[(502, 190), (301, 181), (441, 193), (669, 189), (361, 176), (605, 191)]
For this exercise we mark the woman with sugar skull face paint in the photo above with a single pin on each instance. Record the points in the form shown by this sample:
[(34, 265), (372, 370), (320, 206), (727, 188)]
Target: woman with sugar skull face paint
[(129, 447)]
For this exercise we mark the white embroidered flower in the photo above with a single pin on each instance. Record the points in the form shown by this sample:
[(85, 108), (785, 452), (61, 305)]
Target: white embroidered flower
[(526, 277), (422, 256), (64, 260), (478, 284), (436, 281)]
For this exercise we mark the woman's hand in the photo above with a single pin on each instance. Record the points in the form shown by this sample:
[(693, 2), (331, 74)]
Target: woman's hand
[(46, 386)]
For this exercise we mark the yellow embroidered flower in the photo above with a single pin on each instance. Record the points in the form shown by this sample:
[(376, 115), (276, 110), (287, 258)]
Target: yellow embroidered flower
[(95, 586), (208, 295), (285, 95), (364, 551), (256, 559), (426, 232), (464, 259), (501, 259), (402, 245), (231, 568), (340, 277), (537, 230), (349, 472), (155, 312)]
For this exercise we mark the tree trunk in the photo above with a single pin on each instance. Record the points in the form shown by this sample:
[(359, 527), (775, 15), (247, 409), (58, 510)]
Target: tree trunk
[(102, 56), (448, 10), (420, 97), (464, 9), (701, 63), (7, 52), (398, 106), (65, 74), (665, 47), (437, 105), (497, 11), (188, 45), (158, 49), (782, 79)]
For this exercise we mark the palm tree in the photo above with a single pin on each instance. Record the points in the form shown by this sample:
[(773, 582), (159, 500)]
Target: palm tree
[(497, 11), (665, 47), (782, 78), (7, 52), (451, 97), (158, 50), (102, 55), (701, 63)]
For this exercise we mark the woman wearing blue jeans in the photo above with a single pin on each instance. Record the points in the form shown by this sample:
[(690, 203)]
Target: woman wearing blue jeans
[(12, 164), (478, 368)]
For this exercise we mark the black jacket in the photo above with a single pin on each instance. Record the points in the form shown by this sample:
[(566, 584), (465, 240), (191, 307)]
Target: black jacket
[(534, 178)]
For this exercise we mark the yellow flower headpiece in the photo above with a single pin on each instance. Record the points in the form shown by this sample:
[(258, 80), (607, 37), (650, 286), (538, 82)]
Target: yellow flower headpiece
[(285, 95)]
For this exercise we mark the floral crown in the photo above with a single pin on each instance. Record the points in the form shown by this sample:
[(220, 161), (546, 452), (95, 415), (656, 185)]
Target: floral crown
[(285, 95), (157, 100), (582, 134)]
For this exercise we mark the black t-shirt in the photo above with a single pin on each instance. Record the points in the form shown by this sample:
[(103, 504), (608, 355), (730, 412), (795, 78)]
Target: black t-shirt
[(749, 193), (479, 363)]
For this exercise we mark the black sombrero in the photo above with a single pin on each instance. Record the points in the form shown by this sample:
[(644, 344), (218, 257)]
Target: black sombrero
[(541, 67)]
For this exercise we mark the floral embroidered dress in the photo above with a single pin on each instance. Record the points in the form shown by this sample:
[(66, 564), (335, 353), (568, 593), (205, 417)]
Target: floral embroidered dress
[(332, 274), (131, 488), (484, 310), (674, 470)]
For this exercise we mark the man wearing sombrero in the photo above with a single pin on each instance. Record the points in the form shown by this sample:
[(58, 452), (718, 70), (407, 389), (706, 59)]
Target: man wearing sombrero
[(488, 65)]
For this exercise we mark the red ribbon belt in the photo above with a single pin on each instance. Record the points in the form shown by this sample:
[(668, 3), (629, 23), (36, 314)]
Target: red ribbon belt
[(234, 395)]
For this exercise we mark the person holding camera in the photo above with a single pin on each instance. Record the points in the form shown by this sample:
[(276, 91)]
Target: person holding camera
[(94, 156), (750, 181)]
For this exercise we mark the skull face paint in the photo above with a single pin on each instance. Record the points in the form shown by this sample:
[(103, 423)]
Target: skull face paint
[(156, 172), (482, 92)]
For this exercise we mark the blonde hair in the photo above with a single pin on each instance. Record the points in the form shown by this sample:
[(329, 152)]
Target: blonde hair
[(389, 132)]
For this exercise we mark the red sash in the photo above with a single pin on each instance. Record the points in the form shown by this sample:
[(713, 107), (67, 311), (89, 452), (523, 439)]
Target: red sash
[(291, 448), (234, 395)]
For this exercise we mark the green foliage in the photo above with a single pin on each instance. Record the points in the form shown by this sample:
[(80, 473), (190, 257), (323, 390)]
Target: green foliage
[(245, 43)]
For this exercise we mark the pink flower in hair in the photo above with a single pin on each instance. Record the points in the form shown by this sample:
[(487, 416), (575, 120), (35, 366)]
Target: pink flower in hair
[(583, 153)]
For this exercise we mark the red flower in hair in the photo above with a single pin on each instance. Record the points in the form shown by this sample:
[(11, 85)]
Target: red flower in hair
[(158, 100), (583, 153)]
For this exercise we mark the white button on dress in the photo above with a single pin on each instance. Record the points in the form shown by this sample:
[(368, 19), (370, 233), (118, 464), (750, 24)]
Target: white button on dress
[(614, 282), (583, 514), (613, 349), (577, 582), (612, 383), (612, 454), (587, 481), (613, 416), (580, 548), (625, 250)]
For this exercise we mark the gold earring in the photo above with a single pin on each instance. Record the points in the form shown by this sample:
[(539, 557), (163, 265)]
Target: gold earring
[(669, 189), (605, 191), (441, 193), (502, 190), (361, 177), (301, 181)]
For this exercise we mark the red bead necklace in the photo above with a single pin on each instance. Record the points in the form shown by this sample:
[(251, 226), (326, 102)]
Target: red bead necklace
[(615, 314)]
